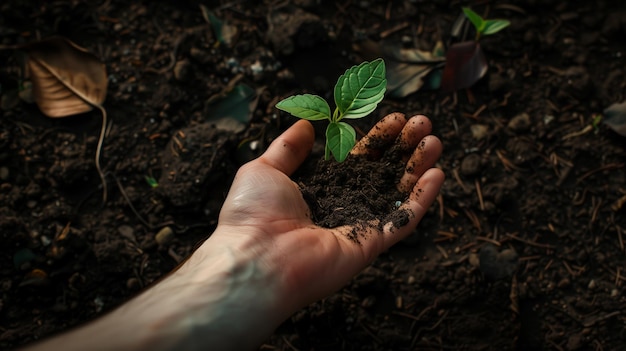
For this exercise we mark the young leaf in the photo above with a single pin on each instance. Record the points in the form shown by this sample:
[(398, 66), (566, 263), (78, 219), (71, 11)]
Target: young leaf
[(359, 90), (340, 139), (477, 21), (494, 26), (307, 106)]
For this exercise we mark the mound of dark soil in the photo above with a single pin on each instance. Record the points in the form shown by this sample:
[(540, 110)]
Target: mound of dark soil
[(359, 189)]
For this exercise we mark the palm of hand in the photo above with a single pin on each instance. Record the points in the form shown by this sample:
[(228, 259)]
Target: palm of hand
[(265, 209)]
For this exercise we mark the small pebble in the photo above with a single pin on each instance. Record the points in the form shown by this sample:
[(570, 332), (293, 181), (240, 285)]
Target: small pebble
[(133, 284), (592, 284), (479, 131), (368, 302), (164, 236), (127, 232), (519, 123), (471, 165), (182, 69)]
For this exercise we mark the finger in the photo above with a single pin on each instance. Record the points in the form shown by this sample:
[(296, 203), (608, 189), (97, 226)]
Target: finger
[(426, 153), (381, 135), (289, 150), (415, 129), (422, 196)]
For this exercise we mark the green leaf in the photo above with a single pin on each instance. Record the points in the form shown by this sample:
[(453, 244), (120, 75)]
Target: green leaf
[(234, 111), (359, 90), (494, 26), (340, 139), (475, 18), (306, 106)]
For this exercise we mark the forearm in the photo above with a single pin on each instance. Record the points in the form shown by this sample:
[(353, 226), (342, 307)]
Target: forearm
[(221, 298)]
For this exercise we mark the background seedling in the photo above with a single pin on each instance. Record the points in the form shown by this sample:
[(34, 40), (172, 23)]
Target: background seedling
[(357, 93), (465, 61)]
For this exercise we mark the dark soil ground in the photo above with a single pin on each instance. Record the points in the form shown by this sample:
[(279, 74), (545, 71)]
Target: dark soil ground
[(523, 250)]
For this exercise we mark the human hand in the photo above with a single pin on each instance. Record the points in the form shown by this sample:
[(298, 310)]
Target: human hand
[(265, 213), (266, 258)]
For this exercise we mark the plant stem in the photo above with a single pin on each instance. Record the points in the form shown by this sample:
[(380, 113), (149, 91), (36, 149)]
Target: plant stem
[(99, 151)]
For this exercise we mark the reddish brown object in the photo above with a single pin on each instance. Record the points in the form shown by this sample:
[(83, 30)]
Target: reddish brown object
[(465, 65)]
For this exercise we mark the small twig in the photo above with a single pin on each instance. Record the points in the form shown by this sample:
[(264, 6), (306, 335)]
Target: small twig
[(455, 172), (369, 332), (548, 265), (603, 168), (583, 131), (531, 243), (433, 327), (394, 29), (569, 269), (589, 322), (442, 251), (529, 258), (480, 195), (467, 246), (441, 208), (596, 208), (508, 165), (130, 204), (289, 344), (489, 240), (618, 203), (479, 111), (472, 216)]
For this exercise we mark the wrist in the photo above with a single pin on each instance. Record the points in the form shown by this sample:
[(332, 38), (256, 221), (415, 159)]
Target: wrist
[(230, 295)]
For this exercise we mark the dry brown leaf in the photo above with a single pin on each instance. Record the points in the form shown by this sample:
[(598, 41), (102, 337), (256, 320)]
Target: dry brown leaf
[(67, 80)]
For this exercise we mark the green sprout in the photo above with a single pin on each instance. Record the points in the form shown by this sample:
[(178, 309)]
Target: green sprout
[(357, 93), (151, 181), (596, 119), (484, 26)]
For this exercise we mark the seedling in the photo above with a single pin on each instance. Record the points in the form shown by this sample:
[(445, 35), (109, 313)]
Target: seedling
[(465, 61), (357, 93)]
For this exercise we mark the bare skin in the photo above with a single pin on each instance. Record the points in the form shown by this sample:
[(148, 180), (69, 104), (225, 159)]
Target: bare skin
[(266, 259)]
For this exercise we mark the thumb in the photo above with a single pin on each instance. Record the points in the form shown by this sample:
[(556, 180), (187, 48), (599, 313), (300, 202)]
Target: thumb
[(289, 150)]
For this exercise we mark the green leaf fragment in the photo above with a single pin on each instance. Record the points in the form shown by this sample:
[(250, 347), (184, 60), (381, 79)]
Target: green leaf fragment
[(475, 18), (340, 139), (152, 182), (494, 26), (306, 106), (359, 90)]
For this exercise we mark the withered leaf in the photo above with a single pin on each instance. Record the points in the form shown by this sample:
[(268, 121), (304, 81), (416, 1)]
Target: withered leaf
[(407, 69), (465, 65), (66, 78)]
